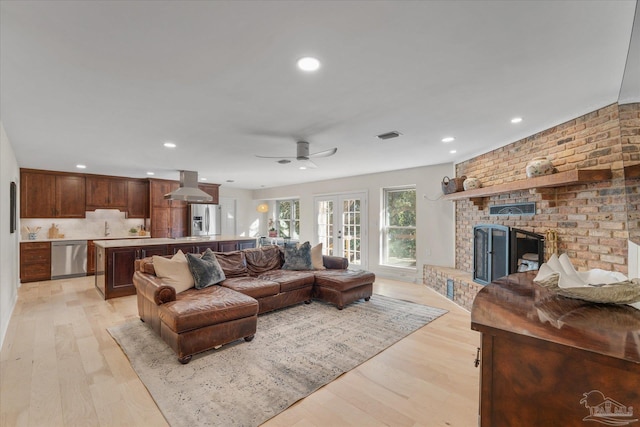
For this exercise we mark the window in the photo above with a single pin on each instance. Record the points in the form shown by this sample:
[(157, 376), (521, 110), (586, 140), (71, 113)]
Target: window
[(288, 213), (399, 228)]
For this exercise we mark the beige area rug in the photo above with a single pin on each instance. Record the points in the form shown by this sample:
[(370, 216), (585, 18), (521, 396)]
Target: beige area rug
[(296, 350)]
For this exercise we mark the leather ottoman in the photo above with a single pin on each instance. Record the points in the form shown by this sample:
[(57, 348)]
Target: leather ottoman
[(202, 319), (342, 287)]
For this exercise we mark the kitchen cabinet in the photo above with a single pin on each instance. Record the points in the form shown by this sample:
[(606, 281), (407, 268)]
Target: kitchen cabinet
[(547, 360), (91, 258), (115, 267), (193, 248), (105, 192), (35, 261), (51, 195), (138, 198), (228, 246), (212, 190), (168, 217)]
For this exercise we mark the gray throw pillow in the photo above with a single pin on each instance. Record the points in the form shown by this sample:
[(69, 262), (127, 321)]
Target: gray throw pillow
[(206, 270), (297, 257)]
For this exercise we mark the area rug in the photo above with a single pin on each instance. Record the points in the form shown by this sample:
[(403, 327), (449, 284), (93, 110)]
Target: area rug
[(296, 350)]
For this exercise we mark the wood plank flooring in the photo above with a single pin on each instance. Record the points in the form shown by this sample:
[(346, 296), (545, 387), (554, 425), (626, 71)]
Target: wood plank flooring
[(60, 367)]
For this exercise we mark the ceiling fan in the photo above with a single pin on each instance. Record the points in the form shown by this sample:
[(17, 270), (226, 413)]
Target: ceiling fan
[(302, 155)]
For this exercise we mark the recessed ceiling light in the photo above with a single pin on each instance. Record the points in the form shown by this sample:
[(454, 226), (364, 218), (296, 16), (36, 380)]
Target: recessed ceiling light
[(452, 152), (231, 180), (448, 139), (303, 168), (81, 166), (170, 145), (516, 120), (203, 179), (308, 63), (150, 173)]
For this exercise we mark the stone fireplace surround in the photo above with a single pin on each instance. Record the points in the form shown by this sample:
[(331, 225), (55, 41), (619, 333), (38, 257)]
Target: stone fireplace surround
[(590, 219)]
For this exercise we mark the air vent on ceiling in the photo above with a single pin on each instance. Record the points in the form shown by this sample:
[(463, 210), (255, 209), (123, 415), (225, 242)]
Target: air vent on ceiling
[(389, 135), (513, 209)]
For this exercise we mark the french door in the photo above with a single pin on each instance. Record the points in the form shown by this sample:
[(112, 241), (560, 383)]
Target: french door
[(341, 226)]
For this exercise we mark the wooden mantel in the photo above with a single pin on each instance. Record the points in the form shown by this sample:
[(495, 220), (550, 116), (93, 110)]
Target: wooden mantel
[(560, 179)]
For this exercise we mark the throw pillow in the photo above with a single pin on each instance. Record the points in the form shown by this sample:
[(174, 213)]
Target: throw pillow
[(206, 270), (297, 257), (174, 272), (316, 257)]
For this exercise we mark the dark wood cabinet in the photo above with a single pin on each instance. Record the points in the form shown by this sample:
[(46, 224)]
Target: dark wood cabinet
[(91, 258), (547, 360), (106, 193), (168, 217), (138, 198), (212, 190), (51, 195), (35, 261), (115, 267), (193, 248), (228, 246), (246, 244)]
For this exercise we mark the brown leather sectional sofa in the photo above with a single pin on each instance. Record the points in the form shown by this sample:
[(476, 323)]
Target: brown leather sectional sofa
[(197, 320)]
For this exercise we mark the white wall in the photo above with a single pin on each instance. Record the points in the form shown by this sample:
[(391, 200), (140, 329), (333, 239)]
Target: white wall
[(435, 233), (9, 243)]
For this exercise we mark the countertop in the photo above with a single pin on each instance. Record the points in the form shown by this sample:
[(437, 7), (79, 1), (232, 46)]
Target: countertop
[(84, 238), (121, 243)]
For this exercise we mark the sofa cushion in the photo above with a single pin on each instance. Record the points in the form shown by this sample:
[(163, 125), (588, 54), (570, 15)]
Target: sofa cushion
[(195, 309), (174, 271), (205, 269), (297, 257), (316, 257), (263, 259), (289, 280), (342, 280), (233, 264), (252, 286)]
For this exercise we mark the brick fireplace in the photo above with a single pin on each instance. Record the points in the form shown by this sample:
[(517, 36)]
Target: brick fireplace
[(590, 219)]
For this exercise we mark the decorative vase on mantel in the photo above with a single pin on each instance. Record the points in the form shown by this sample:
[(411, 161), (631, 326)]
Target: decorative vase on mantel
[(539, 166), (471, 183)]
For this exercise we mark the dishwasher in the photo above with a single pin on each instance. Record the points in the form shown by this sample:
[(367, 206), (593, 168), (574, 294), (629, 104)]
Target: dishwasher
[(68, 259)]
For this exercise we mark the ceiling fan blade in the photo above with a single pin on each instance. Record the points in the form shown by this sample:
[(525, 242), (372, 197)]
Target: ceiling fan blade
[(275, 157), (306, 164), (325, 153)]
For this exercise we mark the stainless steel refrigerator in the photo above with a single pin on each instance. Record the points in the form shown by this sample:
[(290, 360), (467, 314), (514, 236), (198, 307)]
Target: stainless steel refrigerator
[(204, 220)]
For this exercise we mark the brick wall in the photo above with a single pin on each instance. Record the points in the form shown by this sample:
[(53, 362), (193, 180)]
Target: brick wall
[(590, 219)]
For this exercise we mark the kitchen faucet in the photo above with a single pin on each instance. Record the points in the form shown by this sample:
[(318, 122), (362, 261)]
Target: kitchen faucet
[(106, 228)]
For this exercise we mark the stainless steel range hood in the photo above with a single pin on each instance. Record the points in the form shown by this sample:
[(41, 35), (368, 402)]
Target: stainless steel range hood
[(189, 191)]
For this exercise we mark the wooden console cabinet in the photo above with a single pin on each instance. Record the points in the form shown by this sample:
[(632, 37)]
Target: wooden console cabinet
[(547, 360)]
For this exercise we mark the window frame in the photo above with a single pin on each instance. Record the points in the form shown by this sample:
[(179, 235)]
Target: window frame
[(294, 232), (385, 228)]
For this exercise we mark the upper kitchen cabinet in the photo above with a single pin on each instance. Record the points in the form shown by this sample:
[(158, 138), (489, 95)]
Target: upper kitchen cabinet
[(106, 193), (51, 195), (138, 198), (212, 190), (168, 217)]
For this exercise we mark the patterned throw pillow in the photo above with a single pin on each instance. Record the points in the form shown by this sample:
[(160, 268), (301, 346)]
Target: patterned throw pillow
[(206, 270), (297, 257)]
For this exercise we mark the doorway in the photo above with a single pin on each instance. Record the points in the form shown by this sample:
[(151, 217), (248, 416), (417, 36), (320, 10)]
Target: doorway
[(339, 226)]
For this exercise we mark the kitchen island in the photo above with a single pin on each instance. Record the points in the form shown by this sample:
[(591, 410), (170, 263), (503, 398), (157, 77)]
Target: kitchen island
[(115, 259)]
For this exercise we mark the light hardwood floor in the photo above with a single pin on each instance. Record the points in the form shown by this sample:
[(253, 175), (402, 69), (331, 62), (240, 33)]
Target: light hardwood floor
[(60, 367)]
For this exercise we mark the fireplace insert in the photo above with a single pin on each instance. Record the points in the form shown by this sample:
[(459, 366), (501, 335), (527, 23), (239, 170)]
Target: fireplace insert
[(499, 250)]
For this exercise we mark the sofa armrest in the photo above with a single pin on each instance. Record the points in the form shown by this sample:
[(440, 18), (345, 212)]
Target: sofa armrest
[(335, 262), (152, 288)]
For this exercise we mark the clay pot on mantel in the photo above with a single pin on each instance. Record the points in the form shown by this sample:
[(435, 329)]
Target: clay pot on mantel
[(471, 183), (539, 166)]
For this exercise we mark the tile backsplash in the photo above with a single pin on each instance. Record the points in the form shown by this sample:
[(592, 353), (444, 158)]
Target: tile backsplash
[(91, 227)]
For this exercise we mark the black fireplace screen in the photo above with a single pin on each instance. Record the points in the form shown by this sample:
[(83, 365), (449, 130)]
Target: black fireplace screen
[(499, 251)]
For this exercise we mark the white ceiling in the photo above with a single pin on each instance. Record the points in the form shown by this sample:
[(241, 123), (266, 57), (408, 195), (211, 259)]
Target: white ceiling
[(106, 83)]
